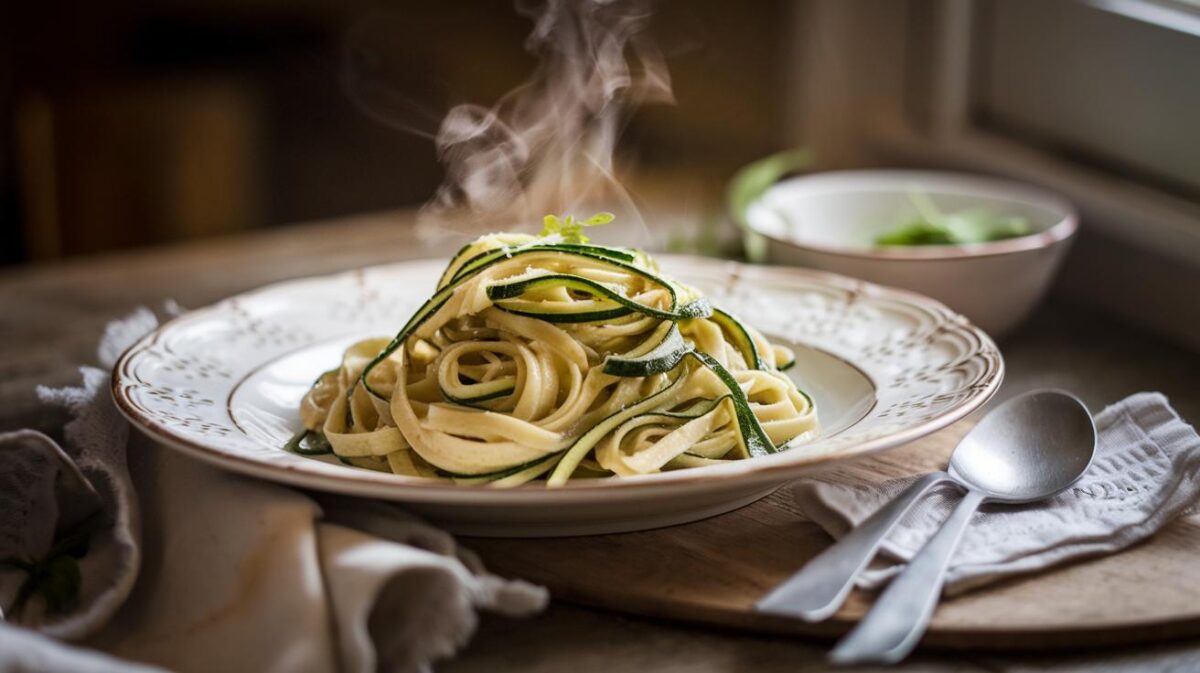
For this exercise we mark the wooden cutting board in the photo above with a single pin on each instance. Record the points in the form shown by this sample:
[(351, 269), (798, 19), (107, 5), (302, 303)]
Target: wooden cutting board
[(712, 571)]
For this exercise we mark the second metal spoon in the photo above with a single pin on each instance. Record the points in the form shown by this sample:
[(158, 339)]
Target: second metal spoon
[(819, 589), (1029, 448)]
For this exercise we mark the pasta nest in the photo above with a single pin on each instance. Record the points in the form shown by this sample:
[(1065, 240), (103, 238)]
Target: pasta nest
[(537, 359)]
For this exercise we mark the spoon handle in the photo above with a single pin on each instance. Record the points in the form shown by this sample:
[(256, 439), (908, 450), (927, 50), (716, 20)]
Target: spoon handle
[(894, 625), (821, 586)]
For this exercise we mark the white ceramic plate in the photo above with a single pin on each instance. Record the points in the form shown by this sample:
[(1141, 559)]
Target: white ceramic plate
[(884, 367)]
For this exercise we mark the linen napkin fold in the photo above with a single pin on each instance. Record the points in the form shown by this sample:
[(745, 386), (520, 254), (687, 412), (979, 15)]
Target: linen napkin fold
[(154, 557), (1146, 473)]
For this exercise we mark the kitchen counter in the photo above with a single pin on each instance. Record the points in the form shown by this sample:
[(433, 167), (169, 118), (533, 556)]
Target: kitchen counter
[(51, 317)]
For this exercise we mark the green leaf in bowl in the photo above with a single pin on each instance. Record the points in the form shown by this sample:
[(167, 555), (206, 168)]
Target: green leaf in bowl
[(749, 183), (933, 227)]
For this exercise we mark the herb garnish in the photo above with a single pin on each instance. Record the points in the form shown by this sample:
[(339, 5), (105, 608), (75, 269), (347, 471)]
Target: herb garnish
[(570, 229)]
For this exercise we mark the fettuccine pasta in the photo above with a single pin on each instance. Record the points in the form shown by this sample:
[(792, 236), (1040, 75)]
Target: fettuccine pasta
[(539, 359)]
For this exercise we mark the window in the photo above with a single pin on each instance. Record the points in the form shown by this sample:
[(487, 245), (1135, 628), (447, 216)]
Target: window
[(1114, 84)]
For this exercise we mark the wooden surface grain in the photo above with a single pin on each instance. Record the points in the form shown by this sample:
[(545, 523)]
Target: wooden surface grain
[(52, 316)]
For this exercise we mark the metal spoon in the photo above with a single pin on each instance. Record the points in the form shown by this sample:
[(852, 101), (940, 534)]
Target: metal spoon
[(818, 589), (1032, 447), (815, 592)]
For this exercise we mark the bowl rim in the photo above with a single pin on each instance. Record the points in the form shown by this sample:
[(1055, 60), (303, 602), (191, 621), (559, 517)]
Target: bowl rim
[(959, 182)]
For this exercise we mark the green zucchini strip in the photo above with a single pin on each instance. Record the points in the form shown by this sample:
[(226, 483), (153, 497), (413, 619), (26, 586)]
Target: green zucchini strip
[(308, 443), (739, 337), (511, 290), (755, 438), (444, 278), (568, 316), (498, 474), (691, 413), (488, 390), (655, 356)]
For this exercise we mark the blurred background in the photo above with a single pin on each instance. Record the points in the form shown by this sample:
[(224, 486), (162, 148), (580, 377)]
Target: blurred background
[(128, 124), (136, 123)]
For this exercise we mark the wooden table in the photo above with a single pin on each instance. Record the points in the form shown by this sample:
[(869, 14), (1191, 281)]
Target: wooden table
[(52, 316)]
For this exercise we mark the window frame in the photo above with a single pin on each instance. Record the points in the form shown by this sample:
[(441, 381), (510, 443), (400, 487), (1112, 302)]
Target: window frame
[(933, 122)]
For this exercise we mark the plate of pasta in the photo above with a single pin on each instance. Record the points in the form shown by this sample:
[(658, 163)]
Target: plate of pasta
[(545, 385)]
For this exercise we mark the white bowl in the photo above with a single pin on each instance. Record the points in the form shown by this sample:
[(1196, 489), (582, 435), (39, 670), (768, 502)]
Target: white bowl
[(829, 221)]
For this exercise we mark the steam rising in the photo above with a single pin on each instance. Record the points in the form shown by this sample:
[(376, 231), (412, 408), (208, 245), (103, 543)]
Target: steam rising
[(547, 146)]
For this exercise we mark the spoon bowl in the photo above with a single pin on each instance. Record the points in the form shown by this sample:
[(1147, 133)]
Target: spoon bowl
[(1029, 448)]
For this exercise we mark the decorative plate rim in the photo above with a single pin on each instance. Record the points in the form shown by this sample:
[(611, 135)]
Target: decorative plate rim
[(780, 467)]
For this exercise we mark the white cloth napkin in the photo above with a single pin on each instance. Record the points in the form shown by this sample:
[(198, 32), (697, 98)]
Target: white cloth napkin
[(156, 558), (1145, 474)]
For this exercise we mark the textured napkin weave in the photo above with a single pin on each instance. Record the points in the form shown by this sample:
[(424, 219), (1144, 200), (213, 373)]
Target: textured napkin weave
[(1146, 472), (205, 570)]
